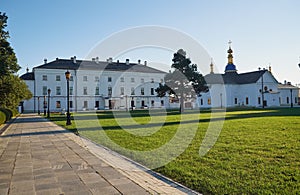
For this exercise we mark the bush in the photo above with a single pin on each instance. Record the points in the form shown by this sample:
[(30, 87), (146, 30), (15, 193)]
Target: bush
[(8, 113), (15, 112), (2, 117)]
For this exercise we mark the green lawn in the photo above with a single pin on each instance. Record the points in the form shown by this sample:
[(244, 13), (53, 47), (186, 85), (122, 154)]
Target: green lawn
[(257, 151)]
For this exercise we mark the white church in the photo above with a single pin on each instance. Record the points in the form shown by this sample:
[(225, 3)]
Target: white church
[(251, 89)]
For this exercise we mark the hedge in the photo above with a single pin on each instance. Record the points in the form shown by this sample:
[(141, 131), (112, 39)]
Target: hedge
[(2, 117), (8, 113)]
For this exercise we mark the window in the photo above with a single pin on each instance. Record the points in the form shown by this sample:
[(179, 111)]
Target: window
[(97, 91), (58, 90), (109, 79), (45, 78), (71, 91), (259, 101), (132, 91), (142, 91), (209, 101), (142, 80), (57, 77), (71, 78), (58, 104), (97, 104), (44, 90), (84, 78), (296, 100), (96, 79), (122, 79), (152, 103), (287, 100), (152, 80), (280, 100), (152, 91), (162, 103), (122, 90), (71, 104), (201, 101), (132, 80), (247, 100), (85, 104), (235, 101), (85, 91), (109, 91)]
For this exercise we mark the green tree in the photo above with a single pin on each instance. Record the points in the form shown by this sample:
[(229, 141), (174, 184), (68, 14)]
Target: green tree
[(12, 88), (184, 82)]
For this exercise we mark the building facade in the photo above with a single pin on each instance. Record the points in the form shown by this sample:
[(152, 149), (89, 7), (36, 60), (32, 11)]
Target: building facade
[(94, 85)]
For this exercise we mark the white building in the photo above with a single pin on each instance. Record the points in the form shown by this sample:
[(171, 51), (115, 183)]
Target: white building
[(251, 89), (94, 85)]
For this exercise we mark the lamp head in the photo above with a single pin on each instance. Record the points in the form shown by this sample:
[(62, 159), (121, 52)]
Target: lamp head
[(68, 75), (49, 91)]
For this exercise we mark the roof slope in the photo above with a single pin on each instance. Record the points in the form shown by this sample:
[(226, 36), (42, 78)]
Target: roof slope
[(28, 76), (235, 78), (67, 64)]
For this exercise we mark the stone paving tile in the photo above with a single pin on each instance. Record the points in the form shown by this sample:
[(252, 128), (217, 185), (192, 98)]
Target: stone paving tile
[(109, 190), (51, 191)]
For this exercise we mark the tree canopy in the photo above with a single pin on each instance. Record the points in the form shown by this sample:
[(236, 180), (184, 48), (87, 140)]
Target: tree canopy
[(12, 88), (184, 81)]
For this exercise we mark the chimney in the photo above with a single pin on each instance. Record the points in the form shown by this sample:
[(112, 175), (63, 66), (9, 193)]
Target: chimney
[(145, 63), (118, 61), (97, 59), (127, 61), (139, 61), (74, 59), (45, 61), (27, 69), (57, 59), (109, 60), (285, 82), (93, 59)]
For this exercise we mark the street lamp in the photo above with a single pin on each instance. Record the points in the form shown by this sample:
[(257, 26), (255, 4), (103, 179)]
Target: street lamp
[(221, 100), (39, 112), (68, 75), (291, 90), (262, 91), (48, 113), (45, 105)]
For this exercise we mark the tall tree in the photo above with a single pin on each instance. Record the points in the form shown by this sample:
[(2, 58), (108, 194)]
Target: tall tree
[(12, 88), (8, 59), (184, 82)]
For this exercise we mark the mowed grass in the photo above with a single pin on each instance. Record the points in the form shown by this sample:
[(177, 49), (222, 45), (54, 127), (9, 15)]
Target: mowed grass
[(257, 151)]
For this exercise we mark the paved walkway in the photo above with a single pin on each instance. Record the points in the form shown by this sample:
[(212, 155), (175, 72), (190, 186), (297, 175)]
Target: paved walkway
[(39, 157)]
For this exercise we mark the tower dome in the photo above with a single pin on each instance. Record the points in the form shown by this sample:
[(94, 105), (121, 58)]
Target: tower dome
[(230, 67)]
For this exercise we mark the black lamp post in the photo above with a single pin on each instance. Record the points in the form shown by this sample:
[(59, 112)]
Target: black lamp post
[(132, 103), (39, 112), (45, 105), (48, 112), (262, 91), (68, 75), (221, 100), (291, 90)]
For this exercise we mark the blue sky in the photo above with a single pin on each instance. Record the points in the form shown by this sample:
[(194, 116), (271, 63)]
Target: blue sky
[(263, 32)]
